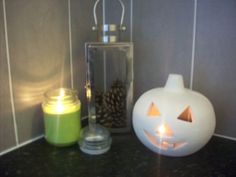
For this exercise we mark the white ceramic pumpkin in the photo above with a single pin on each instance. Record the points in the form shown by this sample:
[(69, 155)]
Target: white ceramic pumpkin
[(173, 121)]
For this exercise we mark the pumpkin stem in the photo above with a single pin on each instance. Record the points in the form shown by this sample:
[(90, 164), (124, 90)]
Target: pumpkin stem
[(175, 82)]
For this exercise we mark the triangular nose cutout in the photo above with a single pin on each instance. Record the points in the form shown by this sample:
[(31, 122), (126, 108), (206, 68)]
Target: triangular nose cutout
[(164, 130), (186, 115), (153, 111)]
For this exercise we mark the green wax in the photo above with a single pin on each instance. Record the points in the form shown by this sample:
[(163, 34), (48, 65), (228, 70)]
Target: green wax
[(62, 129)]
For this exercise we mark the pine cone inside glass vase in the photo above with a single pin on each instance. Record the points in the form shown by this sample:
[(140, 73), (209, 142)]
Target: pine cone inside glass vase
[(118, 120), (102, 115), (114, 103)]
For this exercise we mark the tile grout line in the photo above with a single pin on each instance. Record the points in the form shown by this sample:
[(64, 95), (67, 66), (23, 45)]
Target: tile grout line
[(131, 20), (193, 44), (9, 75), (225, 137), (70, 44), (21, 145), (104, 12)]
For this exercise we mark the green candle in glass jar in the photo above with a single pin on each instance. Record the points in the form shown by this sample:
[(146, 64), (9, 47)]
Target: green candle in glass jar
[(61, 109)]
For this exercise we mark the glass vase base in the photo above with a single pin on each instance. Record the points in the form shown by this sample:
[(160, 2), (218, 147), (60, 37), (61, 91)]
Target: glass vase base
[(95, 140)]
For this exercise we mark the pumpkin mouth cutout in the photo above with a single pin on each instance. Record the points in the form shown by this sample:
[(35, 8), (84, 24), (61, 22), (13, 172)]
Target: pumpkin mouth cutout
[(164, 144)]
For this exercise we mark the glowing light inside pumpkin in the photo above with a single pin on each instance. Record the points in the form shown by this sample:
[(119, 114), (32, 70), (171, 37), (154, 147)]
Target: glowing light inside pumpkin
[(164, 144), (164, 130), (161, 130)]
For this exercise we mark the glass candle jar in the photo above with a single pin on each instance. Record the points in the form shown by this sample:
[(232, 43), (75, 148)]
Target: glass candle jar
[(61, 108)]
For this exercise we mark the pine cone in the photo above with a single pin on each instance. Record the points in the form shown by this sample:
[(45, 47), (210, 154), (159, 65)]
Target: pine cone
[(104, 117), (119, 120), (115, 98), (111, 106)]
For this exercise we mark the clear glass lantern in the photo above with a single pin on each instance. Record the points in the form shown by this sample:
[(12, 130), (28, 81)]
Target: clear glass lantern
[(110, 67), (109, 86)]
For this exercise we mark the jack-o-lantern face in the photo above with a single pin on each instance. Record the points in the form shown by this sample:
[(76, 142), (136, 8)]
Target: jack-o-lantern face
[(164, 131), (173, 123)]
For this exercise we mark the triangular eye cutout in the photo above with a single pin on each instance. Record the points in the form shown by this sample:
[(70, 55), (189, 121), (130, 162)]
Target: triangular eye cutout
[(186, 115), (153, 110)]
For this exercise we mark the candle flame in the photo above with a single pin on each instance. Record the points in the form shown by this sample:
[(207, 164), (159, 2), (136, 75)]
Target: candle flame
[(61, 95), (59, 107)]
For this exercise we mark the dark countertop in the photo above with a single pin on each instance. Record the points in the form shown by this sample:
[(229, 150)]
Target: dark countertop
[(126, 158)]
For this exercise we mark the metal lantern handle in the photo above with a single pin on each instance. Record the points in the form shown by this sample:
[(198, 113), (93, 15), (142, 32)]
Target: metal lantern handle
[(122, 14)]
